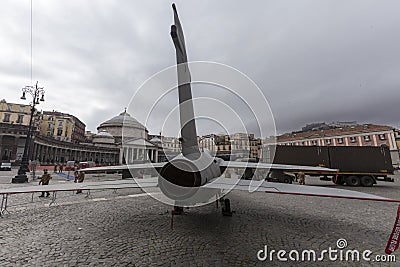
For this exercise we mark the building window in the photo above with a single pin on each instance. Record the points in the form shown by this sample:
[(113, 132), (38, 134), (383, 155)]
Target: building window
[(366, 138), (328, 141), (21, 108), (314, 142), (20, 118), (6, 118), (340, 140), (9, 106), (352, 139), (60, 123), (382, 137), (59, 132)]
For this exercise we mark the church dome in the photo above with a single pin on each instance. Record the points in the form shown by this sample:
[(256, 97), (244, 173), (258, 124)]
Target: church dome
[(104, 134), (123, 119), (155, 140), (123, 126), (103, 138)]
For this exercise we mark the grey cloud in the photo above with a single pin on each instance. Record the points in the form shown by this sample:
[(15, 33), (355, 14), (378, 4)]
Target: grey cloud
[(313, 60)]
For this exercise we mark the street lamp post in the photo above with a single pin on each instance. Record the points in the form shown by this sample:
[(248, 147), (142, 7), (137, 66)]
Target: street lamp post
[(34, 91)]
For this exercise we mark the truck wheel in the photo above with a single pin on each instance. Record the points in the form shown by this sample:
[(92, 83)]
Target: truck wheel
[(352, 180), (367, 181), (339, 180), (286, 179)]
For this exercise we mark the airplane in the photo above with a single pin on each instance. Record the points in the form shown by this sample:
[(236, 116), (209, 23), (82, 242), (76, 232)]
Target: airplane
[(195, 177)]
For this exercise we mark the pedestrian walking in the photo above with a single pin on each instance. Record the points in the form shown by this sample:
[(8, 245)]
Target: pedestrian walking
[(302, 178), (61, 168), (76, 174), (79, 179), (44, 180), (55, 168)]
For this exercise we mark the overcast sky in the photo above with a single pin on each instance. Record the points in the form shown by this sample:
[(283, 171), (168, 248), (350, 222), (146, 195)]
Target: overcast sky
[(314, 60)]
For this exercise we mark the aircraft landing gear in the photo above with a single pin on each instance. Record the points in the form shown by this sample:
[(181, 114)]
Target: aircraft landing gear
[(177, 210), (226, 207)]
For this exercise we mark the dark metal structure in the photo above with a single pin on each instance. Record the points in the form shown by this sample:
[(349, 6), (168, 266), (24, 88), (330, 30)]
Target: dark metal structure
[(35, 92), (356, 165)]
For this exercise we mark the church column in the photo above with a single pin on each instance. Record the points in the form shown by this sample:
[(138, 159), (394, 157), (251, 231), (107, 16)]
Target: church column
[(129, 157), (45, 153), (1, 146), (136, 153), (121, 152), (40, 156)]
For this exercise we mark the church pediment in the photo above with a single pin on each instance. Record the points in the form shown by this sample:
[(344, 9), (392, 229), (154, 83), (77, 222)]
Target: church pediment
[(139, 142)]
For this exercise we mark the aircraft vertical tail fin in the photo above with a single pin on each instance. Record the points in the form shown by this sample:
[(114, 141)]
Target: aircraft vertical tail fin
[(186, 111)]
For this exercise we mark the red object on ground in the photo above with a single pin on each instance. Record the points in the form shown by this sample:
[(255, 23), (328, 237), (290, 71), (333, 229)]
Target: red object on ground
[(394, 239)]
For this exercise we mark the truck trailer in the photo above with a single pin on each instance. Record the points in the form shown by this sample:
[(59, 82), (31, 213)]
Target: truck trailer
[(356, 165)]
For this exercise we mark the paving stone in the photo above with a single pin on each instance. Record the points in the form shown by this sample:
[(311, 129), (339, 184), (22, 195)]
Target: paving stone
[(125, 231)]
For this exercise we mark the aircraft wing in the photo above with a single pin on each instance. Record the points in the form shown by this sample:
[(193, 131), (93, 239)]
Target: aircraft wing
[(115, 184), (291, 189), (228, 164), (125, 167), (238, 164)]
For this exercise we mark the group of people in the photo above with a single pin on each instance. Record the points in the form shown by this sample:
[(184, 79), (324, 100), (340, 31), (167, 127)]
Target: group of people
[(58, 168), (79, 177)]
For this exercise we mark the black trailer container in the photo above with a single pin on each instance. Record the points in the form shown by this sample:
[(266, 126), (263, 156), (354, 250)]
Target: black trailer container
[(356, 165)]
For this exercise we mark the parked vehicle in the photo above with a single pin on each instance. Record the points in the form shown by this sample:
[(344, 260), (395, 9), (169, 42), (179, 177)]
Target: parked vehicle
[(357, 165), (86, 164), (5, 166)]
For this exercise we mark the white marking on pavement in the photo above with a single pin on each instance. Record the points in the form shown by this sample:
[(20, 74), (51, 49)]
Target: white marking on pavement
[(143, 194), (99, 199)]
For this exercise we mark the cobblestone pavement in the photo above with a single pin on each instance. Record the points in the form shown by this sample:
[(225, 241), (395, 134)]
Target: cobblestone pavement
[(118, 229)]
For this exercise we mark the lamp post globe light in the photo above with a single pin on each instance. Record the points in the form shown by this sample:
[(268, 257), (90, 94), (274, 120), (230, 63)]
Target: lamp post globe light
[(35, 92)]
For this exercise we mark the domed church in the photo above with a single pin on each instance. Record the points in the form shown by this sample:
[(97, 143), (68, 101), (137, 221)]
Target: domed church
[(131, 136), (123, 125)]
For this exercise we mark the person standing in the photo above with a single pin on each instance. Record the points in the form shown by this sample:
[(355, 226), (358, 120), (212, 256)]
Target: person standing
[(79, 179), (76, 174), (61, 168), (44, 180), (302, 178)]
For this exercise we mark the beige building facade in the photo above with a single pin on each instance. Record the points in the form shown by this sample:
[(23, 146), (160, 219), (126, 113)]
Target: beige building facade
[(360, 135), (238, 145), (13, 113), (57, 125)]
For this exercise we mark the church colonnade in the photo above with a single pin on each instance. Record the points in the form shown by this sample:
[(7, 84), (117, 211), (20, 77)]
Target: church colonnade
[(50, 153), (130, 155)]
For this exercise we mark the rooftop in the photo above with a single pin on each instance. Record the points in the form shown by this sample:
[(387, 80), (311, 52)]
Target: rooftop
[(358, 129)]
